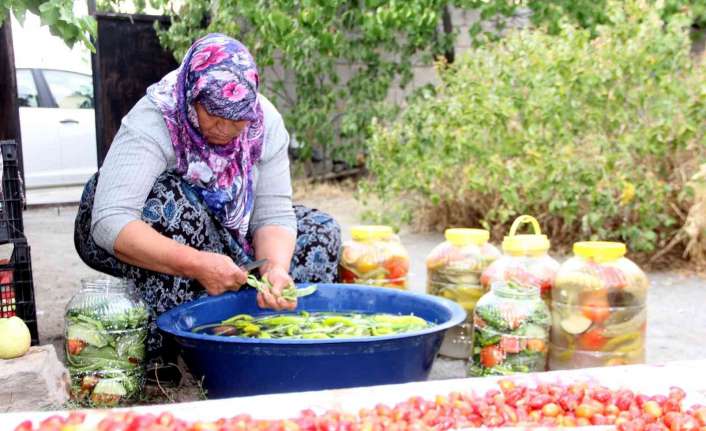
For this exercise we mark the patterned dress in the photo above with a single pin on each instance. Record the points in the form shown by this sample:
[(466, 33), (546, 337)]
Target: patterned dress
[(176, 210)]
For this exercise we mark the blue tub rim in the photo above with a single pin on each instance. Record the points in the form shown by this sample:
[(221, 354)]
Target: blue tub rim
[(166, 322)]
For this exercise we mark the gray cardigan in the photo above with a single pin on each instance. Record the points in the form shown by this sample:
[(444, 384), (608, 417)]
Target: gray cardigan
[(142, 150)]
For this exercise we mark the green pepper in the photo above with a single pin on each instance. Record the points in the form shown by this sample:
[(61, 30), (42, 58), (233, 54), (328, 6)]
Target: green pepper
[(611, 344), (239, 317), (567, 354), (282, 320), (335, 320), (381, 331), (315, 336), (251, 329), (319, 325)]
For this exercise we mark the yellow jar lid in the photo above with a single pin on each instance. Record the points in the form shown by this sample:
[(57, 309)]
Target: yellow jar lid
[(600, 251), (371, 232), (461, 237), (525, 243)]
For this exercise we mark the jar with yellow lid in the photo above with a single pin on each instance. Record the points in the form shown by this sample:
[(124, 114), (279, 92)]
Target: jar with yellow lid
[(454, 268), (525, 260), (374, 256), (599, 313)]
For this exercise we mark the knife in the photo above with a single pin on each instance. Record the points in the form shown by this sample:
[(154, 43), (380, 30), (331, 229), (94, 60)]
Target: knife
[(254, 265)]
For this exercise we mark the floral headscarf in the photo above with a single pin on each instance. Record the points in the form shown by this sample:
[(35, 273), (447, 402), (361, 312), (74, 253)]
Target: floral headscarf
[(219, 72)]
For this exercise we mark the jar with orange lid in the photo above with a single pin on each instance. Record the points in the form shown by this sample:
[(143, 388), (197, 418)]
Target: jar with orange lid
[(599, 313), (454, 268), (374, 256), (525, 260)]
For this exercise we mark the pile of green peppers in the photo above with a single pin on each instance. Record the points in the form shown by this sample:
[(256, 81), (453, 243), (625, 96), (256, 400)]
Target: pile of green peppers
[(315, 325)]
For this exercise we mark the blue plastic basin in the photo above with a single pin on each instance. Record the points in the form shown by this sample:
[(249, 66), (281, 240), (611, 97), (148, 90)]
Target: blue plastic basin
[(241, 366)]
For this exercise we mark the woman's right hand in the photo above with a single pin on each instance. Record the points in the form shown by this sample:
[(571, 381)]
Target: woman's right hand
[(218, 273)]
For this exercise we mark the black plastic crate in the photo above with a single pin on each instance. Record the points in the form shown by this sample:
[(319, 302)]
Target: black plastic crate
[(17, 287), (11, 224)]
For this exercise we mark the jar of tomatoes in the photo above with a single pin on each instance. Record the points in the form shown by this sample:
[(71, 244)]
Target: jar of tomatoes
[(454, 268), (374, 256), (599, 313), (510, 331), (525, 260)]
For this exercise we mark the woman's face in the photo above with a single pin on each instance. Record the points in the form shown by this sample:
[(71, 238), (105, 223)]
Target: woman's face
[(218, 130)]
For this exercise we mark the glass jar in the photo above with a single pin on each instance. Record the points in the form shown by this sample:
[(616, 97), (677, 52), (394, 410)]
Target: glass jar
[(599, 313), (454, 268), (510, 331), (525, 260), (106, 328), (375, 256)]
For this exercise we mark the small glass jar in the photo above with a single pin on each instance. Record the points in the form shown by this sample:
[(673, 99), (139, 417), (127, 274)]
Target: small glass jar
[(525, 260), (510, 331), (599, 309), (106, 329), (454, 268), (375, 256)]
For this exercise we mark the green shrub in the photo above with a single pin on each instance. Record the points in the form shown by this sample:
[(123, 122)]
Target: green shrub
[(596, 137)]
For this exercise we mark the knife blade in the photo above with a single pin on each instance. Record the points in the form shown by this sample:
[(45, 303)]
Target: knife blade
[(254, 265)]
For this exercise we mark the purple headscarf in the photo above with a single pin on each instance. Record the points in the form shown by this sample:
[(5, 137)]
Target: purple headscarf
[(219, 72)]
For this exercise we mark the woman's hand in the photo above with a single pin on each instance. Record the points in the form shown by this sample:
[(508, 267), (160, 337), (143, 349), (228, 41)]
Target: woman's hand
[(279, 279), (218, 273)]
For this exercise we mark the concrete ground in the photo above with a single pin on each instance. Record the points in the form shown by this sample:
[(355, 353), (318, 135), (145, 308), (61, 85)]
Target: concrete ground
[(676, 306)]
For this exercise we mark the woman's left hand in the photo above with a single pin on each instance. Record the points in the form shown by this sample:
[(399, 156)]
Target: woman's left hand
[(279, 279)]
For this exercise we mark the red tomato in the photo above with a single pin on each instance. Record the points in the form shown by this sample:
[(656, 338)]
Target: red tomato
[(506, 385), (491, 356), (595, 306), (539, 401), (522, 276), (347, 276), (75, 346), (491, 273), (677, 393), (397, 267), (602, 395), (510, 344), (598, 419), (700, 416), (592, 340), (551, 410), (24, 426)]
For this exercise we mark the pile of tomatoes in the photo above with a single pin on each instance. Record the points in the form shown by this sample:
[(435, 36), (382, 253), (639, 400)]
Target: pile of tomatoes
[(551, 405)]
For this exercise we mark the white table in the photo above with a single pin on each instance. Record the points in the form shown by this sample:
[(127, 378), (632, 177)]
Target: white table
[(648, 379)]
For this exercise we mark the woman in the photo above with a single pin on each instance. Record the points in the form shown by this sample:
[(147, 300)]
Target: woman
[(197, 184)]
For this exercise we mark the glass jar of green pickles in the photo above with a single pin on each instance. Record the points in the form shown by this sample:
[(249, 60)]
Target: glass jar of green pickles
[(598, 309), (106, 328), (510, 331), (454, 268)]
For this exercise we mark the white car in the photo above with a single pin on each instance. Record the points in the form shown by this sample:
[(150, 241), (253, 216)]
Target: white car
[(58, 129)]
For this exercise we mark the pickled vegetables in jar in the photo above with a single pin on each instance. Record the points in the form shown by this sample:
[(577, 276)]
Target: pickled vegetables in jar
[(599, 314), (454, 268), (510, 331), (375, 256), (105, 329), (525, 260)]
